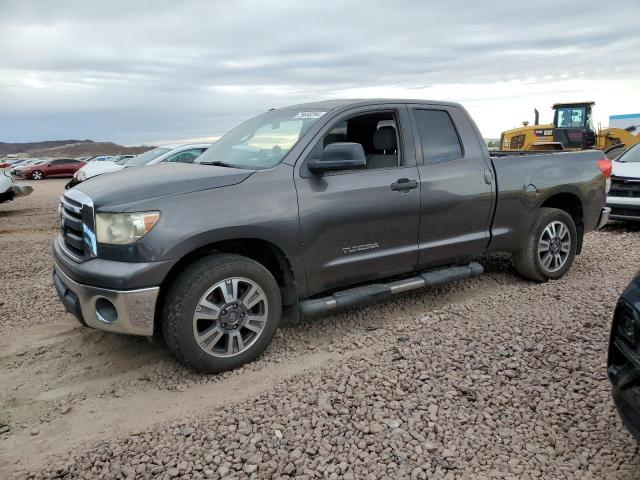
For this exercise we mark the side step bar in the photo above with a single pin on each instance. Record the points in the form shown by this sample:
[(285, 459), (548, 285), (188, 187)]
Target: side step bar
[(381, 291)]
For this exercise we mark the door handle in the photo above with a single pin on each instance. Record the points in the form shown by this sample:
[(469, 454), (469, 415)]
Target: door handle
[(488, 177), (404, 185)]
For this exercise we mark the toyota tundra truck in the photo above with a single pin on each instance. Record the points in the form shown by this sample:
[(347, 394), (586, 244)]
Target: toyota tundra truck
[(307, 209)]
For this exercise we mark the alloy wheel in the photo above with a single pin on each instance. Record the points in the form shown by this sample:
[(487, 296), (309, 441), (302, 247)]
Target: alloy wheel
[(554, 246), (230, 317)]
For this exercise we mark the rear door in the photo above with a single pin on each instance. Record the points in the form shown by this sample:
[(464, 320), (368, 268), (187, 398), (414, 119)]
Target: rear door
[(457, 185), (69, 166), (360, 225)]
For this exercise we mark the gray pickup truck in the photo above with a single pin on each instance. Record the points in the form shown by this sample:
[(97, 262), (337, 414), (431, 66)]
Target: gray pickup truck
[(310, 208)]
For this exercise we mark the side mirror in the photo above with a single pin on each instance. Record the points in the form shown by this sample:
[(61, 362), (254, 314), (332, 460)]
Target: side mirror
[(338, 156)]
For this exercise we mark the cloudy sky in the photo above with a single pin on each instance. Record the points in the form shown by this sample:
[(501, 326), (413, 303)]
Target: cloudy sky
[(152, 71)]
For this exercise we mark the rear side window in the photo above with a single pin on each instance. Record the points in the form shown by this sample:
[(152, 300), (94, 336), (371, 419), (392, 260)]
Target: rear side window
[(438, 136)]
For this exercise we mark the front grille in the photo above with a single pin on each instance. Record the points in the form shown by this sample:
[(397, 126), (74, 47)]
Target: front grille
[(624, 212), (625, 187), (74, 215)]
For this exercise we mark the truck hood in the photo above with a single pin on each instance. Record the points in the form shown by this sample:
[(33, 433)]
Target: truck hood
[(626, 169), (132, 185)]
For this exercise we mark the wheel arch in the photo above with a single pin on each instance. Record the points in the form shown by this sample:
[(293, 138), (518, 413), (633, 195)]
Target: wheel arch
[(262, 251), (570, 203)]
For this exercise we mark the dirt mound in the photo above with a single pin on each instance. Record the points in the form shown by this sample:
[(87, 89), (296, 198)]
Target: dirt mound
[(13, 148), (87, 149)]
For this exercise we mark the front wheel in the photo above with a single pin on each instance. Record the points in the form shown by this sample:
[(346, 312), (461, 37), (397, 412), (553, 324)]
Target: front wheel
[(221, 312), (37, 175), (550, 247)]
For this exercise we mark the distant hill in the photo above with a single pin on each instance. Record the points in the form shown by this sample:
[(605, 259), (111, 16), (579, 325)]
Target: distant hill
[(12, 148), (86, 149)]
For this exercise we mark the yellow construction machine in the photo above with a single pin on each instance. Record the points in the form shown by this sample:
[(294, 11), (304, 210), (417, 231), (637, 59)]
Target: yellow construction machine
[(572, 129)]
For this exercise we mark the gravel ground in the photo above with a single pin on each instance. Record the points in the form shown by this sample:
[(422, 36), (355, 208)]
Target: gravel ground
[(492, 377)]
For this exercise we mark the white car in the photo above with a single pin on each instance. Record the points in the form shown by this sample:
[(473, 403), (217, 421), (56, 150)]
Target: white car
[(183, 153), (9, 190), (624, 195)]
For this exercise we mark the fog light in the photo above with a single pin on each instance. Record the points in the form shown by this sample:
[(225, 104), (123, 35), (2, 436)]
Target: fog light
[(106, 311)]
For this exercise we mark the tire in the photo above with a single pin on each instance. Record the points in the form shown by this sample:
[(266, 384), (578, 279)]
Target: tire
[(37, 175), (532, 260), (221, 312)]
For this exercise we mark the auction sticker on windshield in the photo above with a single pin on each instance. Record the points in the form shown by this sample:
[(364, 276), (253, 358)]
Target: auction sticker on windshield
[(315, 114)]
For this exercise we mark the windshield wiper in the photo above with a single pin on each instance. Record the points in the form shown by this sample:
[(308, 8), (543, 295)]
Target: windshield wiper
[(217, 164)]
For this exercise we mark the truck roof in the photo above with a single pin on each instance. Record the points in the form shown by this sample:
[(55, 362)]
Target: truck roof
[(338, 103)]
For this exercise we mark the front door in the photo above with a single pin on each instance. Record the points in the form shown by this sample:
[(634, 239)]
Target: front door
[(57, 168), (361, 225)]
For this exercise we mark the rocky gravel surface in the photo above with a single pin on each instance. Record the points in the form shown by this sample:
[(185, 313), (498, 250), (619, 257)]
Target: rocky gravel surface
[(27, 228), (492, 377)]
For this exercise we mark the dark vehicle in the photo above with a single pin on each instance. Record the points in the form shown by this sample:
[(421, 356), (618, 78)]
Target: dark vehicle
[(624, 357), (310, 208), (59, 167)]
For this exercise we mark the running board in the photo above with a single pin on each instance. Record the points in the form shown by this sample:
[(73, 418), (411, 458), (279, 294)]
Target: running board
[(381, 291)]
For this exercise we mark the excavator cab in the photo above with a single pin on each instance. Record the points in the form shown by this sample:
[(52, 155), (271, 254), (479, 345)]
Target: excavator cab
[(573, 125)]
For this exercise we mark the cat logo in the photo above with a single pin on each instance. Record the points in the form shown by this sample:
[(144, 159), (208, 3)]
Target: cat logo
[(543, 132)]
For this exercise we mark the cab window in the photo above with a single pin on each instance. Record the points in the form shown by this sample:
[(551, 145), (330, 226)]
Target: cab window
[(571, 117), (438, 136), (376, 132)]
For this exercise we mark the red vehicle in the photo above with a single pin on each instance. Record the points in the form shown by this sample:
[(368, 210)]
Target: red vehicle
[(59, 167)]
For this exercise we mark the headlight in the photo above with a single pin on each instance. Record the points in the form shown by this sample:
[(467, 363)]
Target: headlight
[(80, 176), (124, 228)]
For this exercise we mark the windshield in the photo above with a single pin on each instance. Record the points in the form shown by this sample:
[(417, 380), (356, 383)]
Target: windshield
[(145, 157), (263, 141), (121, 159), (571, 117), (630, 156)]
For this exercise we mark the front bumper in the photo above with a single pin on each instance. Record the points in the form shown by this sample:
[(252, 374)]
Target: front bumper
[(119, 311), (627, 402), (624, 208), (604, 217)]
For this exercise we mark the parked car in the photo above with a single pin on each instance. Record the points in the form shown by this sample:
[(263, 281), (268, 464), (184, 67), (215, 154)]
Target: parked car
[(624, 195), (9, 189), (24, 164), (100, 158), (59, 167), (311, 208), (182, 153), (624, 357)]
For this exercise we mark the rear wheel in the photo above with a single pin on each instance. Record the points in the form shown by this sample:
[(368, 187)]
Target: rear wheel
[(37, 175), (221, 312), (550, 248)]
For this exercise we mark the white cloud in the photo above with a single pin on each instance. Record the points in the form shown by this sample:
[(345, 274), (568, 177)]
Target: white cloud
[(159, 69)]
